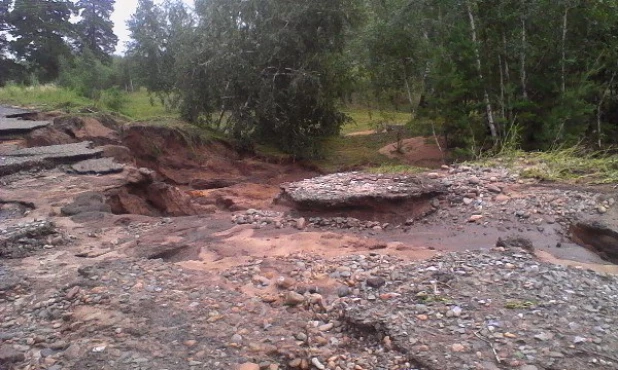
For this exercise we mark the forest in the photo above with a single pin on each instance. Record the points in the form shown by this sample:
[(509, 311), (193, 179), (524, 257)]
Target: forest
[(482, 74)]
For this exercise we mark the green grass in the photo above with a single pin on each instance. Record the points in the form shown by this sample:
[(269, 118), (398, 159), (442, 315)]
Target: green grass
[(573, 165), (47, 97), (141, 107), (136, 106), (396, 169), (355, 152), (364, 119)]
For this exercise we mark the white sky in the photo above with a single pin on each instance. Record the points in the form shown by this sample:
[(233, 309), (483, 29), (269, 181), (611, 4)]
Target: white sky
[(122, 13)]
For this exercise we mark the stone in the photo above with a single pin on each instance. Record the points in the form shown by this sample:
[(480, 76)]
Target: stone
[(316, 362), (473, 180), (375, 282), (236, 339), (73, 352), (493, 189), (295, 363), (285, 282), (343, 291), (293, 298), (458, 347), (10, 355), (248, 366), (301, 223), (475, 218)]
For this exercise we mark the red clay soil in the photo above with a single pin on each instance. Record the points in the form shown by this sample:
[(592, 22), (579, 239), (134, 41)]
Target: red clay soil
[(417, 151), (183, 162)]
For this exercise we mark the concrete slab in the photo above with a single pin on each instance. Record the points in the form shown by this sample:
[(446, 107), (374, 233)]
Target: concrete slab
[(12, 126), (9, 112), (81, 149), (98, 166), (46, 157)]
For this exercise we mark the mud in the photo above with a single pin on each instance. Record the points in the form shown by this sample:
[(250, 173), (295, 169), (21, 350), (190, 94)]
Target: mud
[(198, 184)]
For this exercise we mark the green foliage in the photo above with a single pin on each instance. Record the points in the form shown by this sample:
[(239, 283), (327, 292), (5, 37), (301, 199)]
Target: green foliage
[(39, 29), (274, 66), (86, 74), (95, 29), (547, 67), (161, 41)]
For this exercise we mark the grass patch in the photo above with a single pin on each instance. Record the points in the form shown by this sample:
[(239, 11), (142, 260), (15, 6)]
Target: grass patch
[(396, 169), (141, 106), (364, 119), (573, 165), (355, 152), (46, 97), (137, 105)]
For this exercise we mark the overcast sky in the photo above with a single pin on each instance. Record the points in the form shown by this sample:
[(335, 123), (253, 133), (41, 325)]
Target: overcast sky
[(122, 12)]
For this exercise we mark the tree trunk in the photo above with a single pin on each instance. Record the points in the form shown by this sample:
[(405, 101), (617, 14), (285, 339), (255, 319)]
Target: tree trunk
[(490, 114), (523, 52), (507, 75), (600, 106), (563, 61), (409, 91), (502, 93)]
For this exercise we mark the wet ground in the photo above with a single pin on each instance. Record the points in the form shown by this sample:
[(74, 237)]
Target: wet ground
[(166, 263)]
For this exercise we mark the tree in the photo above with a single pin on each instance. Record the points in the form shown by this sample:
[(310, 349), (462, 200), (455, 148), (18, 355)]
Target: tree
[(273, 66), (7, 66), (95, 29), (159, 36), (39, 30)]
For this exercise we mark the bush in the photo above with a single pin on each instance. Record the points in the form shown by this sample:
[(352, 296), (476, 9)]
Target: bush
[(86, 75), (113, 99)]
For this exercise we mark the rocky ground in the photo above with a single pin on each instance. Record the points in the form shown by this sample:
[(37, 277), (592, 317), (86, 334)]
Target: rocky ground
[(168, 254)]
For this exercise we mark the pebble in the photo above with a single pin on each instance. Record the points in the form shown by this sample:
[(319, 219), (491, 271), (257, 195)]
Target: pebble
[(475, 218), (458, 347), (293, 298), (343, 291), (249, 366), (317, 363), (375, 282), (10, 355)]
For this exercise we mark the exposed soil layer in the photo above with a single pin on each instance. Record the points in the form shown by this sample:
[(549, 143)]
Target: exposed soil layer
[(598, 236), (186, 160), (418, 151)]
